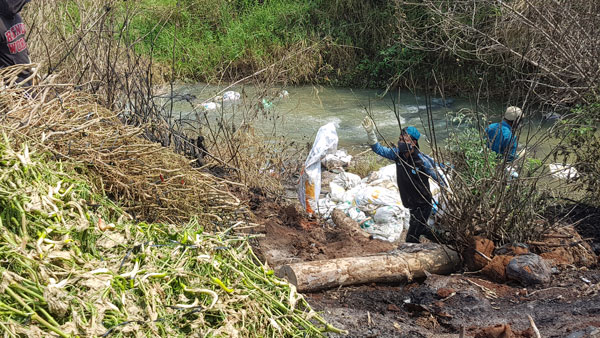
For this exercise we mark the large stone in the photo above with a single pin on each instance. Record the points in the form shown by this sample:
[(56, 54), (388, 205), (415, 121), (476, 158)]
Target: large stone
[(529, 269)]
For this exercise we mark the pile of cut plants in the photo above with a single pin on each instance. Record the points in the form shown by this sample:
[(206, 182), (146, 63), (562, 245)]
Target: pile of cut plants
[(73, 263), (77, 263)]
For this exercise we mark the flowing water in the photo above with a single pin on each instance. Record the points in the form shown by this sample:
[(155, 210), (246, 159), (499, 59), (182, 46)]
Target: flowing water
[(306, 108)]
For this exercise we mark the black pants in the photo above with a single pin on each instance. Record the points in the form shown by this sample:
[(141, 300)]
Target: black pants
[(418, 224)]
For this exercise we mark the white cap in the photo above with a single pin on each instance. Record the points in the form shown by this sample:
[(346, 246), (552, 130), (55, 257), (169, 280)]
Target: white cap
[(513, 113)]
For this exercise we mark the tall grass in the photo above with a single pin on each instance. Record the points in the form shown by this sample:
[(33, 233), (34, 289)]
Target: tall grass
[(220, 39)]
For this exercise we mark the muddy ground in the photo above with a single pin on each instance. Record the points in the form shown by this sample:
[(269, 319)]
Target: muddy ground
[(437, 306)]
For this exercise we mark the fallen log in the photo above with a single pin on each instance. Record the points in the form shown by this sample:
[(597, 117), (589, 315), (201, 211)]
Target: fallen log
[(397, 266), (347, 224)]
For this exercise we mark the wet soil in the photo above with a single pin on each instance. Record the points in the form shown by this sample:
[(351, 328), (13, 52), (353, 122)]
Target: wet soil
[(444, 305), (437, 306)]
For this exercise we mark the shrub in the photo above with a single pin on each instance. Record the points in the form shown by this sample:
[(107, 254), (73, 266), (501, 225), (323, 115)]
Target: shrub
[(485, 199)]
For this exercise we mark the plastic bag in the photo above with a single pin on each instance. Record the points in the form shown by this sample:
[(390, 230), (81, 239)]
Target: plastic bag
[(346, 180), (561, 171), (387, 173), (341, 183), (377, 196), (325, 207), (231, 96), (338, 160), (389, 223), (392, 214), (309, 188)]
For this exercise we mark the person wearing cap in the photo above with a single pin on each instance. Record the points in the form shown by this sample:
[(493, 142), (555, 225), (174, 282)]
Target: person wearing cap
[(413, 170), (500, 136)]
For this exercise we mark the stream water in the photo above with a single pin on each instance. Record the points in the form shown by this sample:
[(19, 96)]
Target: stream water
[(306, 108)]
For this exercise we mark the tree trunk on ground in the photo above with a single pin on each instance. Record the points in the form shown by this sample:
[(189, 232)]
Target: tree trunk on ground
[(397, 266), (347, 224)]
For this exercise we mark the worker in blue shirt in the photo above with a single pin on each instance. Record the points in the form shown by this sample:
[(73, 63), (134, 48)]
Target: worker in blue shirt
[(500, 136), (413, 170)]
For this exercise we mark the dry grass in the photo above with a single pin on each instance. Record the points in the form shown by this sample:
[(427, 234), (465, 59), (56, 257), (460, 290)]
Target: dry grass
[(149, 180)]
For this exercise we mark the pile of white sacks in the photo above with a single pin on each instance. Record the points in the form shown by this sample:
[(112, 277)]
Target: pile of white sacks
[(372, 201)]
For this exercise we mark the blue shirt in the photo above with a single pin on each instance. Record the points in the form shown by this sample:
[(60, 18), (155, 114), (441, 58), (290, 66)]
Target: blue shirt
[(501, 140), (392, 154)]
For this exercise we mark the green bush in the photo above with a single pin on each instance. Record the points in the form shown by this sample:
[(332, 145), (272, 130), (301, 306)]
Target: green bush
[(473, 160)]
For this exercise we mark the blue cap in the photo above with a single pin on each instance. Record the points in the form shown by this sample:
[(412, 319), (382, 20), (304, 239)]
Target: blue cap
[(413, 132)]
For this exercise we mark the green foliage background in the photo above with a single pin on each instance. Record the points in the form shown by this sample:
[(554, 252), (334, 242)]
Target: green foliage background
[(353, 41)]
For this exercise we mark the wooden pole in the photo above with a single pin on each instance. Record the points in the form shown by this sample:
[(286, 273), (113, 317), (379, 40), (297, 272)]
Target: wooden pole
[(404, 264)]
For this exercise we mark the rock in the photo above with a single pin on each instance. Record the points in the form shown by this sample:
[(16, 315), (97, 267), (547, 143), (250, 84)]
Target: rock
[(475, 261), (496, 269), (503, 331), (528, 269)]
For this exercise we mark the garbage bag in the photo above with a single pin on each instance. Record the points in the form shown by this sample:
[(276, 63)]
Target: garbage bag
[(387, 173), (347, 180), (377, 196), (325, 207), (309, 188), (564, 172), (340, 159), (389, 223), (392, 214), (231, 96), (341, 184)]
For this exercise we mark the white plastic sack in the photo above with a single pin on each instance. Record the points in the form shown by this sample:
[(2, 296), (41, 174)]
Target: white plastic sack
[(309, 189), (338, 160), (387, 173), (325, 207), (342, 182), (347, 180), (231, 96), (336, 192), (563, 172), (391, 214), (377, 196), (390, 222), (350, 195)]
